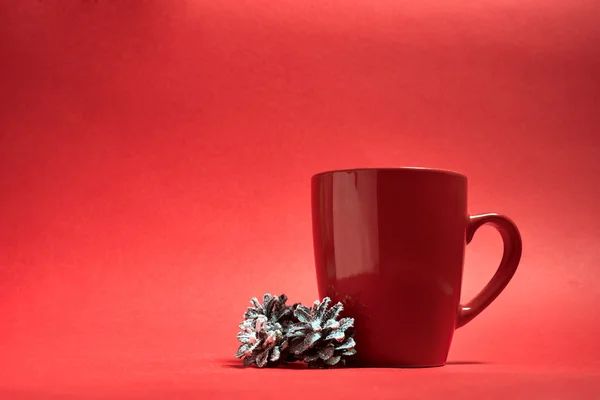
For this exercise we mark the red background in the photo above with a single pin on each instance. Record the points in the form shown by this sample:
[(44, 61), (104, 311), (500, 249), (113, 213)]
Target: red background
[(155, 160)]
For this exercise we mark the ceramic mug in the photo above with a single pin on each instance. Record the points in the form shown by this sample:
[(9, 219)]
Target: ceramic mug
[(389, 244)]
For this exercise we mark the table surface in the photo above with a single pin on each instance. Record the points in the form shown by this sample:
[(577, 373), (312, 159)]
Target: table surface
[(217, 378)]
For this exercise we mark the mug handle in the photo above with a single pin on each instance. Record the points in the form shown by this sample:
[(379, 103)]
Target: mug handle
[(508, 266)]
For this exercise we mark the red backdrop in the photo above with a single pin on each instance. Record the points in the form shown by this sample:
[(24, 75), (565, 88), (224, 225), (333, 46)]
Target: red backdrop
[(155, 160)]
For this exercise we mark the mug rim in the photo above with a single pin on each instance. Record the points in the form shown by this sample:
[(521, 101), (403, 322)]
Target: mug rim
[(398, 169)]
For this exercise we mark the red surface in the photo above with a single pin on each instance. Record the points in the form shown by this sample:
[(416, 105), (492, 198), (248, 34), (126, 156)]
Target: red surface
[(155, 160), (390, 245)]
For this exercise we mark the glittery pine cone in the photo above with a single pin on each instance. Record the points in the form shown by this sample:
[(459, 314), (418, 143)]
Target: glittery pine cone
[(273, 307), (262, 331), (318, 337)]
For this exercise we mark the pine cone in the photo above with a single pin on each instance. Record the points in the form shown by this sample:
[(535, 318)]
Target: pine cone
[(273, 308), (262, 331), (319, 338)]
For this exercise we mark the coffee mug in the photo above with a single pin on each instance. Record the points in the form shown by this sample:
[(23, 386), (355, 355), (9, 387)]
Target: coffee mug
[(389, 244)]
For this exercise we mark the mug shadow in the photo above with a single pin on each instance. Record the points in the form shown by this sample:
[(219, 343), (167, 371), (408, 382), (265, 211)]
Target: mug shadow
[(303, 367), (467, 363)]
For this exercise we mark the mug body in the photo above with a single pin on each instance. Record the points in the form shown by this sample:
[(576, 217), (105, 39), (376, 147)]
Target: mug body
[(389, 244)]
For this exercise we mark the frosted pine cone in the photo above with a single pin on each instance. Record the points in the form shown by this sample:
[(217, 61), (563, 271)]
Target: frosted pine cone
[(273, 308), (319, 338), (262, 331)]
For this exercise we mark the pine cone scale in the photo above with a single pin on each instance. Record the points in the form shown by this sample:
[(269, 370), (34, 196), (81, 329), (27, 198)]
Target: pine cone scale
[(348, 344), (336, 335), (333, 360)]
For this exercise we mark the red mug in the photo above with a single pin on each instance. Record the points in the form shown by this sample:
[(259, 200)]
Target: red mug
[(389, 244)]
